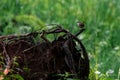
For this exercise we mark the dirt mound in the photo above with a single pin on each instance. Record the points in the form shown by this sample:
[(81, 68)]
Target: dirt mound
[(34, 57)]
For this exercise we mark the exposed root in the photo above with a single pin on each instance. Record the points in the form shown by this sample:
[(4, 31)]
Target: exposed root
[(44, 59)]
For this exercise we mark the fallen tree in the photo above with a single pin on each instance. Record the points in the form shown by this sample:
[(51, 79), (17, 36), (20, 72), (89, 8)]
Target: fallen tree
[(34, 57)]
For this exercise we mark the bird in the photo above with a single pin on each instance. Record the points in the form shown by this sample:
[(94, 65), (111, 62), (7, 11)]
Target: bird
[(80, 24)]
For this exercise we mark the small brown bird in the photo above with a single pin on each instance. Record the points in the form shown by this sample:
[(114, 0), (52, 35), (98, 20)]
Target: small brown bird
[(80, 24)]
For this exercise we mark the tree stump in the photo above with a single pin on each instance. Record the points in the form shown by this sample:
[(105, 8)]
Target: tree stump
[(34, 57)]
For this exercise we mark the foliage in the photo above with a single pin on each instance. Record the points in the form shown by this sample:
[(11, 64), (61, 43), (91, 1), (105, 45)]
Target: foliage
[(12, 76), (66, 76), (101, 18)]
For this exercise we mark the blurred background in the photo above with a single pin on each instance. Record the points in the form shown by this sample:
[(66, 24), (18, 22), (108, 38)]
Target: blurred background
[(102, 21)]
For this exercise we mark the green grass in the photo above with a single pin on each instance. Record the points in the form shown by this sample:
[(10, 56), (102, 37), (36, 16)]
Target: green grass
[(101, 17)]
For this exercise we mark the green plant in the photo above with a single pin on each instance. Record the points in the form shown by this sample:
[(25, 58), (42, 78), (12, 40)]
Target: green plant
[(13, 76), (66, 76), (4, 74)]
